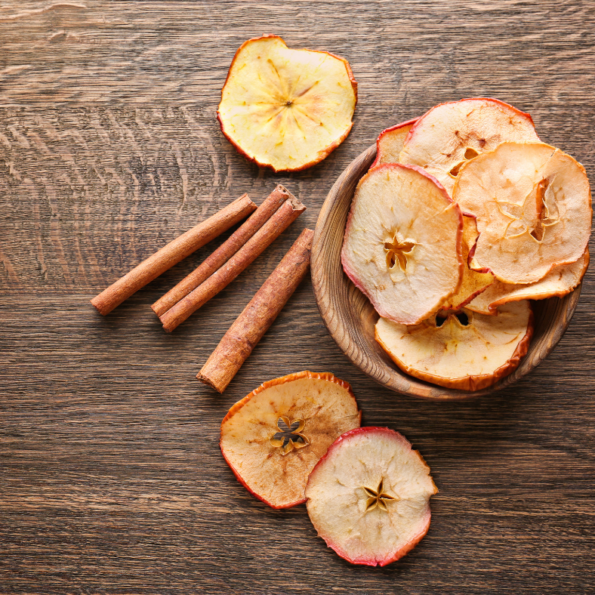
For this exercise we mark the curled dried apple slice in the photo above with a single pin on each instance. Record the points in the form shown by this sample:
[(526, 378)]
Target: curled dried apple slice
[(390, 143), (402, 244), (467, 351), (532, 203), (286, 109), (451, 134), (560, 281), (273, 438), (473, 283), (369, 497)]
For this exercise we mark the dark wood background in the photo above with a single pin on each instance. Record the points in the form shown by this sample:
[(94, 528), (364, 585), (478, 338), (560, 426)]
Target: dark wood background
[(111, 479)]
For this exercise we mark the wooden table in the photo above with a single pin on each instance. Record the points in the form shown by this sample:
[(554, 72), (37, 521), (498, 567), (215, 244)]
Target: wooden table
[(111, 478)]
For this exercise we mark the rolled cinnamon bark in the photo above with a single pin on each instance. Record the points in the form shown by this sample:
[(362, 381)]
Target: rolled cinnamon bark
[(218, 258), (256, 245), (258, 315), (173, 253)]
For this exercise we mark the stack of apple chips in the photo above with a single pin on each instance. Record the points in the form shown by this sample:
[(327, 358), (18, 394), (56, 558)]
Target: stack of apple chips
[(462, 219)]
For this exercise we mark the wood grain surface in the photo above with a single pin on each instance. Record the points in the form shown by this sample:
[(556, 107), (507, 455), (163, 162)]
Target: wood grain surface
[(111, 479)]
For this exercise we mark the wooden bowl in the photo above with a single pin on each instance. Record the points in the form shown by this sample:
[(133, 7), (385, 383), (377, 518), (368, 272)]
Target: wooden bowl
[(350, 317)]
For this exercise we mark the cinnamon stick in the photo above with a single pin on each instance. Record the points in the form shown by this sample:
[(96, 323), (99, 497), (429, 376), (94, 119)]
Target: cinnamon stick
[(264, 237), (258, 315), (218, 258), (172, 253)]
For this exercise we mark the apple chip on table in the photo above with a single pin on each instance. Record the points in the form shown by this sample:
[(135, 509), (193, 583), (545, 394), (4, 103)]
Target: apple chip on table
[(273, 438), (526, 221), (286, 109), (369, 496)]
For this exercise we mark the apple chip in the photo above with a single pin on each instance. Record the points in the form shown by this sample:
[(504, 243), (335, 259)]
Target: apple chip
[(451, 134), (532, 203), (402, 245), (273, 438), (467, 351), (369, 497), (390, 143), (560, 281), (473, 283), (286, 109)]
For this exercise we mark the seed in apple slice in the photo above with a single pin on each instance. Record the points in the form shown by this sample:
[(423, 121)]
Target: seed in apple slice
[(369, 497), (473, 283), (390, 143), (402, 245), (451, 134), (532, 203), (466, 350), (559, 282), (286, 109), (273, 438)]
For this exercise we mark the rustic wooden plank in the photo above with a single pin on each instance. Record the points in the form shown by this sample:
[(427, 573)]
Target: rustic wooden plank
[(111, 480)]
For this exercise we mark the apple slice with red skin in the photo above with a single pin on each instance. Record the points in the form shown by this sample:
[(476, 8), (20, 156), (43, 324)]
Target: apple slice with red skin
[(368, 497), (390, 143), (402, 245), (450, 134), (273, 437)]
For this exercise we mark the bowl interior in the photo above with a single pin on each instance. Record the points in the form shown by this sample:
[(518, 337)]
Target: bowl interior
[(350, 317)]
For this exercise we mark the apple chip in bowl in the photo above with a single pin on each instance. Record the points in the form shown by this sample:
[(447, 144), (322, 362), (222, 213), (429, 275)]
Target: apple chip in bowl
[(464, 309)]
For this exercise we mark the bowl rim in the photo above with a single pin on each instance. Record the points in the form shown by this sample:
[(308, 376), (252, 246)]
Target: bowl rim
[(393, 377)]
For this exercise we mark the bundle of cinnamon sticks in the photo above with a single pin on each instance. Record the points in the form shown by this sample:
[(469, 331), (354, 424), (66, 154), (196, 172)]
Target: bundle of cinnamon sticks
[(266, 223)]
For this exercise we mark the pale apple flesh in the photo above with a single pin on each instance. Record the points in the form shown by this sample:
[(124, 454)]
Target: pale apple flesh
[(390, 143), (559, 282), (451, 134), (286, 109), (368, 498), (402, 245), (466, 351), (273, 438), (532, 203)]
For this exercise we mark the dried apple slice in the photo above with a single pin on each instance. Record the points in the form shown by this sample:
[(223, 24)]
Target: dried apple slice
[(390, 143), (450, 134), (560, 281), (467, 351), (369, 497), (473, 283), (273, 438), (286, 109), (533, 208), (402, 244)]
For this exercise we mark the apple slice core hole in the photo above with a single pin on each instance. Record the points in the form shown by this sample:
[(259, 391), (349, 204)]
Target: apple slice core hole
[(462, 318), (378, 498), (289, 436), (397, 251), (470, 153)]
